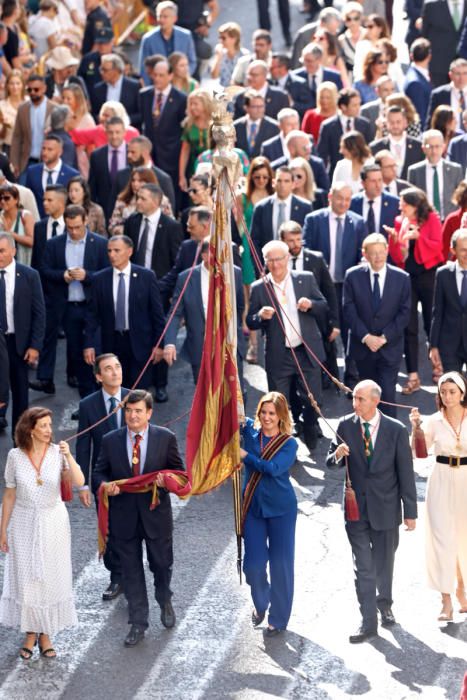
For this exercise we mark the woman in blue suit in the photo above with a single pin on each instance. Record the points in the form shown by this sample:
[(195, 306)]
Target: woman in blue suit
[(269, 511)]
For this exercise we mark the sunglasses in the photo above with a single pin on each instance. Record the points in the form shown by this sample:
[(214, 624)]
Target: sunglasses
[(5, 197), (33, 89), (260, 177), (355, 18)]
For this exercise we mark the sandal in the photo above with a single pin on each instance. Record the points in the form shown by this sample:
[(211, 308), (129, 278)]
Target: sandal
[(252, 355), (411, 386), (47, 653), (25, 652)]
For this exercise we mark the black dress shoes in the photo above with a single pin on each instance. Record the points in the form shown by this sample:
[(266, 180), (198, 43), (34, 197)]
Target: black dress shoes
[(362, 634), (75, 415), (161, 395), (310, 436), (134, 636), (113, 591), (73, 382), (387, 617), (46, 386), (256, 618), (167, 615)]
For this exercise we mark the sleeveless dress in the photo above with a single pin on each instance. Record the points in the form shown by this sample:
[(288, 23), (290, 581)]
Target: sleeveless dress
[(37, 586), (23, 252)]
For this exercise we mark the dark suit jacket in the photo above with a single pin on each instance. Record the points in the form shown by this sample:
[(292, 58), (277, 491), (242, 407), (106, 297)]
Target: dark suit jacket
[(390, 320), (168, 239), (449, 321), (129, 98), (69, 148), (165, 182), (267, 129), (418, 89), (457, 151), (28, 310), (146, 316), (54, 265), (313, 261), (5, 167), (4, 371), (389, 479), (33, 180), (91, 409), (439, 96), (329, 74), (131, 511), (462, 45), (316, 236), (166, 136), (275, 349), (191, 309), (102, 191), (330, 135), (439, 28), (272, 149), (276, 99), (261, 222), (299, 92), (389, 210), (40, 239), (413, 152)]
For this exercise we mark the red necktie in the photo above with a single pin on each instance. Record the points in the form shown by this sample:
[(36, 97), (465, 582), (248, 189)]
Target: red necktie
[(136, 458)]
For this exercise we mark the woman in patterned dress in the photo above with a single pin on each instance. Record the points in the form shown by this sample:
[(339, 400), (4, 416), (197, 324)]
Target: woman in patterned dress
[(35, 534)]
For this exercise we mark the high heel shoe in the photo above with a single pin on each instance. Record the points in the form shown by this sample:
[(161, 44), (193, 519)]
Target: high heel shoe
[(445, 614), (462, 598), (25, 652), (49, 653)]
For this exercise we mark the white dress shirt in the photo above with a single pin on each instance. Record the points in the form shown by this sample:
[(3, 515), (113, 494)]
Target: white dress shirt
[(382, 278), (429, 183), (115, 280), (275, 212), (373, 427), (285, 293), (298, 262), (205, 288), (118, 397), (55, 171), (284, 147), (459, 276), (263, 90), (398, 148), (377, 204), (114, 92), (153, 224), (60, 227), (10, 276)]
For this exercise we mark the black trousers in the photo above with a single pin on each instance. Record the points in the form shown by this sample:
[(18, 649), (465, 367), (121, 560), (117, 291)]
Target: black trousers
[(453, 359), (19, 382), (131, 367), (73, 325), (375, 368), (286, 378), (160, 558), (422, 291), (373, 553), (264, 19), (4, 372)]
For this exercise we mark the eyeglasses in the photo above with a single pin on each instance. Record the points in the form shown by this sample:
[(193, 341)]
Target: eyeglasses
[(258, 176), (5, 197), (275, 260), (354, 18)]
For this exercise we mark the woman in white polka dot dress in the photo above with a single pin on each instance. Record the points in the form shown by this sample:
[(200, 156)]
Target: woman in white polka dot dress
[(35, 534)]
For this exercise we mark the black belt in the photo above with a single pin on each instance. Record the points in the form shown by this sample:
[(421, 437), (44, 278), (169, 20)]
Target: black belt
[(452, 461), (77, 303), (121, 332)]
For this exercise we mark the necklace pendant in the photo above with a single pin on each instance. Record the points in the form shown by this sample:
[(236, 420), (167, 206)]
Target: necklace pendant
[(39, 481), (367, 452), (135, 460)]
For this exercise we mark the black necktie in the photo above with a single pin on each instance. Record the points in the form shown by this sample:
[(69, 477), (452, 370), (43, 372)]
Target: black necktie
[(54, 228), (49, 178), (113, 421), (376, 292), (294, 263), (3, 316), (140, 257), (370, 219), (464, 288)]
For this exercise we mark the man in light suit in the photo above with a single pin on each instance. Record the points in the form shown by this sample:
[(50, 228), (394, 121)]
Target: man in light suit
[(140, 448), (453, 94), (374, 110), (116, 86), (380, 467), (52, 170), (274, 148), (376, 309), (255, 128), (392, 184), (417, 83), (275, 98), (435, 175), (314, 73), (167, 38), (441, 25), (270, 213), (108, 374), (377, 207), (301, 305), (406, 150)]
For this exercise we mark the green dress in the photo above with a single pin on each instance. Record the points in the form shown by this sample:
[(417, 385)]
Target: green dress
[(198, 141), (248, 268)]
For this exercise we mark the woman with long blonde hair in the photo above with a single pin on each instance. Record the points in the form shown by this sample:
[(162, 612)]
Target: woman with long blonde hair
[(195, 136)]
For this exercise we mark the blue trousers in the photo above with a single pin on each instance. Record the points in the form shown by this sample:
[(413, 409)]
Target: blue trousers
[(271, 540)]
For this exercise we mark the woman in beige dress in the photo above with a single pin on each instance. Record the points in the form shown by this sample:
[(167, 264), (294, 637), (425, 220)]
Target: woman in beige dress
[(446, 511), (15, 93)]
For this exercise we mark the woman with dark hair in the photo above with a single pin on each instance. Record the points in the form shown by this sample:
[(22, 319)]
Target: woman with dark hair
[(453, 221), (35, 535), (200, 192), (126, 200), (375, 65), (79, 193), (445, 120), (415, 245), (269, 511), (446, 514), (376, 28), (356, 154), (331, 54), (18, 222)]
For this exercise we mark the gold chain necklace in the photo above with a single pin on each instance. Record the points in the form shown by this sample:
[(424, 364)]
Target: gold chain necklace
[(457, 433)]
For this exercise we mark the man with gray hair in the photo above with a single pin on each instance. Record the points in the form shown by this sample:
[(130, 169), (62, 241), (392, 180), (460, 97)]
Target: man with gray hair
[(375, 446), (329, 19), (314, 73), (58, 122), (257, 79), (275, 148), (117, 87)]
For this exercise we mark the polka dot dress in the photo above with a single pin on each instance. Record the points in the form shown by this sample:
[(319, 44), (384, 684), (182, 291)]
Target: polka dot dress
[(37, 588)]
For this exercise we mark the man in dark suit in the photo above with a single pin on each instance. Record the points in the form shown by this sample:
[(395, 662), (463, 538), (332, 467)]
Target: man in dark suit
[(314, 73), (301, 305), (329, 19), (441, 25), (275, 98), (126, 306), (282, 206), (116, 86), (388, 164), (296, 87), (332, 129), (374, 111), (53, 224), (255, 128), (140, 448), (273, 149), (68, 265), (448, 334), (4, 380), (406, 150), (139, 151), (380, 467), (457, 149), (417, 83), (453, 94), (376, 309), (162, 112), (108, 374), (22, 323), (105, 163), (52, 170), (377, 207)]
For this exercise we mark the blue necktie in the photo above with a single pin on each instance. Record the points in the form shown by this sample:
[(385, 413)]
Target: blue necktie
[(338, 264), (376, 292), (49, 178), (120, 305), (464, 288), (3, 316), (113, 420), (252, 136)]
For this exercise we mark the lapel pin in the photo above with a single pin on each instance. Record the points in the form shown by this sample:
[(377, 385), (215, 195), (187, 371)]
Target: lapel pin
[(135, 274), (385, 204)]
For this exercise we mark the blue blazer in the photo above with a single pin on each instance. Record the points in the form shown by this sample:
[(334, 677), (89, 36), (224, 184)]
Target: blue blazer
[(391, 319), (129, 98), (33, 180), (153, 43), (100, 185), (91, 409), (261, 222), (166, 136), (319, 171), (328, 74), (389, 210), (316, 236), (28, 310), (274, 494), (299, 92), (272, 149), (418, 89), (457, 151), (267, 129), (146, 316), (439, 96)]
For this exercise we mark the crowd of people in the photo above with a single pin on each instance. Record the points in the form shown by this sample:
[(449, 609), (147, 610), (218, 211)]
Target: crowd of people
[(354, 198)]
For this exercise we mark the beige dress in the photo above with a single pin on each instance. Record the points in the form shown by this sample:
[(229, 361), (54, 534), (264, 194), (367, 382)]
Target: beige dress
[(446, 506)]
